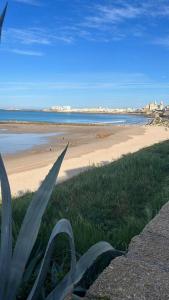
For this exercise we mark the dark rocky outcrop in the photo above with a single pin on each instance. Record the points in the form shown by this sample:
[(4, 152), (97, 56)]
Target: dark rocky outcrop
[(159, 120)]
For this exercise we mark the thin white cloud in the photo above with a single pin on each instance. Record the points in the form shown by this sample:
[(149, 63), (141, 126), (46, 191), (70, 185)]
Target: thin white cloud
[(110, 14), (35, 36), (26, 52), (28, 36), (100, 22), (114, 81), (29, 2), (113, 21), (163, 41), (122, 11)]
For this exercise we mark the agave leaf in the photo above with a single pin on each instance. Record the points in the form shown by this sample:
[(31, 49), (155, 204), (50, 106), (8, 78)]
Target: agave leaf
[(63, 226), (85, 262), (63, 289), (35, 261), (30, 227), (75, 297), (6, 229), (2, 17), (88, 259), (79, 291)]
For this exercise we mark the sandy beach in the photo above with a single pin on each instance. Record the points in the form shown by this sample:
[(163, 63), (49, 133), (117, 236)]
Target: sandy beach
[(88, 145)]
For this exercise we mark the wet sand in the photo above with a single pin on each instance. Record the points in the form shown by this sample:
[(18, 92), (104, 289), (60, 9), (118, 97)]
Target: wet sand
[(88, 145)]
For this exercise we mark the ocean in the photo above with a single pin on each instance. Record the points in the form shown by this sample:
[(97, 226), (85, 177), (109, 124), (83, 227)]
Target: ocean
[(71, 118)]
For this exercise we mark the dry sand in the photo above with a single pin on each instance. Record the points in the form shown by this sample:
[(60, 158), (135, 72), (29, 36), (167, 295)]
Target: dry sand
[(89, 145)]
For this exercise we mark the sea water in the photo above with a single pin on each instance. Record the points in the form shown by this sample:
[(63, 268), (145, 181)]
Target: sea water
[(11, 143), (74, 118)]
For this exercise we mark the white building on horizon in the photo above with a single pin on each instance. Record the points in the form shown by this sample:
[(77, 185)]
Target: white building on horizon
[(61, 108)]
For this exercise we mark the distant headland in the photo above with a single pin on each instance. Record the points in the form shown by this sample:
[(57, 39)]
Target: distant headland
[(148, 109)]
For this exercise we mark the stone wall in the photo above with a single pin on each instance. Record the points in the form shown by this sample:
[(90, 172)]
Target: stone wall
[(143, 274)]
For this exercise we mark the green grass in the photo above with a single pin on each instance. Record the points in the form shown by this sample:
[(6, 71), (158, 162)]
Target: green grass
[(111, 203)]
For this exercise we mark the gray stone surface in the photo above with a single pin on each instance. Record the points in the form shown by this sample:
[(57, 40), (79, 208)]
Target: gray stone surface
[(144, 273), (151, 249), (126, 279)]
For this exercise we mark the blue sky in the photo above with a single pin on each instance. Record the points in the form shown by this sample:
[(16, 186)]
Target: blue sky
[(84, 53)]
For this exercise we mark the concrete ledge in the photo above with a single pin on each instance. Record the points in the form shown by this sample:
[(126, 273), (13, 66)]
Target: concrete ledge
[(143, 274)]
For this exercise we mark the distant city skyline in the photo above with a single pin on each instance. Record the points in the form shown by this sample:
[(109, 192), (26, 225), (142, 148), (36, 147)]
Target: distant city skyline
[(84, 53), (154, 104)]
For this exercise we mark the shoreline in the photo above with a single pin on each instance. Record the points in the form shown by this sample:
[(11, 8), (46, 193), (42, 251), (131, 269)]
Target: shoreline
[(72, 124), (118, 123), (76, 112), (88, 146)]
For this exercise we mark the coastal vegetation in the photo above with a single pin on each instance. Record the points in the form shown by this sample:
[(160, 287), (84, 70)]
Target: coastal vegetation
[(14, 260), (112, 203)]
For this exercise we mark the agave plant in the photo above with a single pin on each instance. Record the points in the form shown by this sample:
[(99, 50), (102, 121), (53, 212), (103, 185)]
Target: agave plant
[(2, 17), (13, 260)]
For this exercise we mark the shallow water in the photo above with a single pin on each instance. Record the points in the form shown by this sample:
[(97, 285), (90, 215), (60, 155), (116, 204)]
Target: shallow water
[(11, 143)]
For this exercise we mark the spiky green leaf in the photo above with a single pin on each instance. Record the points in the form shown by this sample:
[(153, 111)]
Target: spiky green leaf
[(30, 228), (86, 261), (6, 230), (2, 17), (63, 226)]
